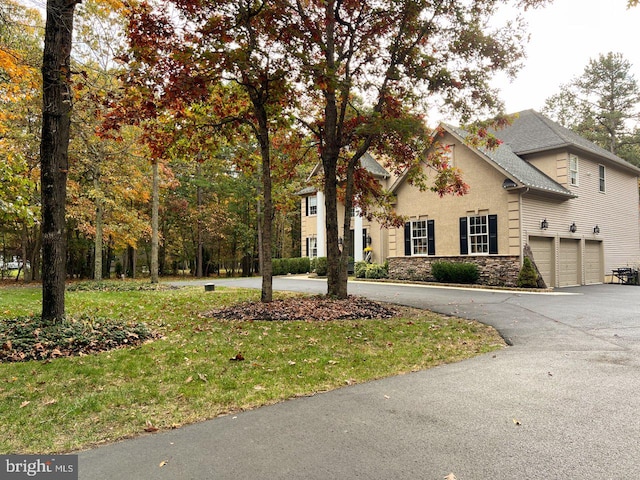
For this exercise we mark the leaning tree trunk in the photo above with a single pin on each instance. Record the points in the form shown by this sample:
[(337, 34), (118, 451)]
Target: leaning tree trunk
[(54, 147)]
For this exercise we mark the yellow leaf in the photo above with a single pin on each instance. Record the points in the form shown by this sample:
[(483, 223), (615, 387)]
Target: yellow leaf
[(25, 403), (163, 463)]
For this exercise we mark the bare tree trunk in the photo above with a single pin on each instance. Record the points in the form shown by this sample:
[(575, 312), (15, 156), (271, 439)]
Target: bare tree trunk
[(97, 269), (27, 271), (265, 223), (155, 206), (54, 147), (200, 247)]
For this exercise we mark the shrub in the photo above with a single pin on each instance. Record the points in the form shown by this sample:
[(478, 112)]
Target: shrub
[(455, 272), (321, 266), (527, 278), (277, 266), (360, 269), (284, 266), (375, 270)]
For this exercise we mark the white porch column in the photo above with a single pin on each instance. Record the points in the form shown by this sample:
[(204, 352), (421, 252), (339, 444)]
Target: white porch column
[(321, 226), (358, 247)]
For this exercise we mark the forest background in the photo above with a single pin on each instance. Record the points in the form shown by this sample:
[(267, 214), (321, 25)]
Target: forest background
[(210, 185)]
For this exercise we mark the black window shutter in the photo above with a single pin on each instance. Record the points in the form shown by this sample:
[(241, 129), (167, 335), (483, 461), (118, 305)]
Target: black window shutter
[(431, 237), (307, 246), (407, 239), (464, 244), (493, 234), (306, 206)]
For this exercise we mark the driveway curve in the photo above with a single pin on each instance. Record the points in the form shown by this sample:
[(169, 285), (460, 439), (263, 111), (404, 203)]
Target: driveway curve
[(561, 402)]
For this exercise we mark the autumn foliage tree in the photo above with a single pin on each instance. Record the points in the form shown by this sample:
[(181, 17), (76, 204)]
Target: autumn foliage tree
[(179, 56), (20, 104), (394, 56)]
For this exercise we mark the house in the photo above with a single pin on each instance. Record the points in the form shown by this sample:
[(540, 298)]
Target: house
[(573, 203)]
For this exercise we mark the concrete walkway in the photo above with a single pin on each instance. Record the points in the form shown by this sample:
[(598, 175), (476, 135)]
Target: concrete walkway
[(561, 403)]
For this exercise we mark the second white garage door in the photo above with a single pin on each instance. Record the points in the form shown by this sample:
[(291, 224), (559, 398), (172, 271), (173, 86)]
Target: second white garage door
[(569, 263)]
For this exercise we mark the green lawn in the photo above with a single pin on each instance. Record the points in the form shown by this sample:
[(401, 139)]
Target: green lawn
[(191, 373)]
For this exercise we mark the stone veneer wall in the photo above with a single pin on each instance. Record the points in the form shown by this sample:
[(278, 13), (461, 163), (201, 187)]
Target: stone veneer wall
[(495, 270)]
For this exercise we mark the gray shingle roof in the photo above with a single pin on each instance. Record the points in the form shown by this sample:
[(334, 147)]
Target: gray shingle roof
[(517, 168), (367, 161), (371, 165), (532, 132)]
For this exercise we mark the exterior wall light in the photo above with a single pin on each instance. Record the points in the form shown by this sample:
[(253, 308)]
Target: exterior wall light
[(340, 241), (368, 239), (573, 228), (596, 229), (544, 224)]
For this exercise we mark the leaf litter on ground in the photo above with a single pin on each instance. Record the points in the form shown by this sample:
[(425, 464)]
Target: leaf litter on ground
[(318, 308)]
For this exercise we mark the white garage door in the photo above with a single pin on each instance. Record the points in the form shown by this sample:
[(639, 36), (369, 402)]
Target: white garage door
[(542, 248), (593, 258), (569, 263)]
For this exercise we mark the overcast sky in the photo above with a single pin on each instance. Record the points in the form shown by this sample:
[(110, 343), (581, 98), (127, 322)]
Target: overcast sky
[(564, 36)]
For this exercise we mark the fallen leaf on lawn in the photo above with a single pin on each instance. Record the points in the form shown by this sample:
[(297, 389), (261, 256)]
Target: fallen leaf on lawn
[(332, 362), (189, 379), (202, 377), (163, 463), (291, 362), (516, 421), (239, 357), (50, 402), (451, 476), (150, 428), (258, 387), (25, 403)]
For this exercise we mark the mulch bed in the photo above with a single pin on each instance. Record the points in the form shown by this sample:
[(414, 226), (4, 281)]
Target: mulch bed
[(318, 308)]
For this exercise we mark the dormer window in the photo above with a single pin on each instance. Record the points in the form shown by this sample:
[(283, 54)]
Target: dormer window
[(573, 170)]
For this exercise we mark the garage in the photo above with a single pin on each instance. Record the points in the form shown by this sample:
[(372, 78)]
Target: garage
[(569, 263), (593, 262), (542, 248)]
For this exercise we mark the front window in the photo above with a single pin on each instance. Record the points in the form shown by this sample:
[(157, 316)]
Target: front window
[(419, 240), (313, 206), (601, 173), (573, 170), (447, 155), (478, 235), (312, 242)]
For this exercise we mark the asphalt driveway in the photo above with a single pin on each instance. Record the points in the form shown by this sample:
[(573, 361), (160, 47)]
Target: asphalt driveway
[(562, 402)]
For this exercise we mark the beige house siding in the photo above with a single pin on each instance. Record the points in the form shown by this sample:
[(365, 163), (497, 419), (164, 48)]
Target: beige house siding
[(308, 225), (486, 197), (615, 212)]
